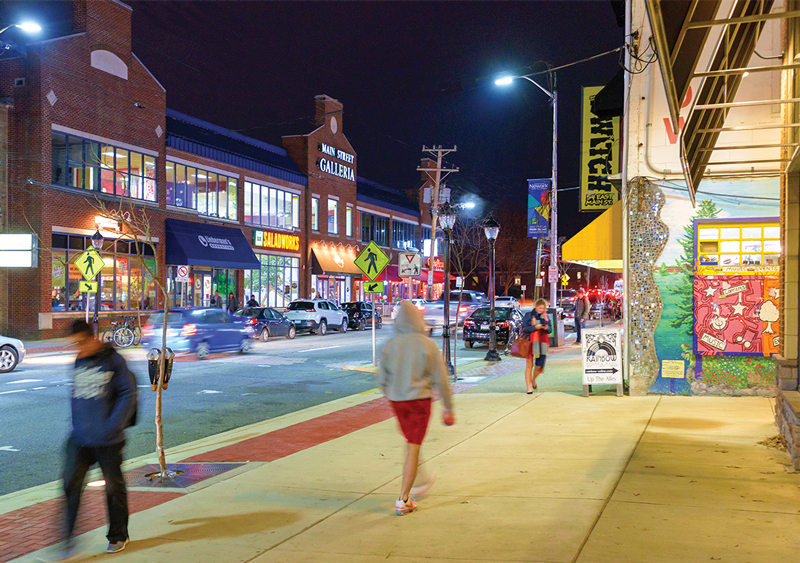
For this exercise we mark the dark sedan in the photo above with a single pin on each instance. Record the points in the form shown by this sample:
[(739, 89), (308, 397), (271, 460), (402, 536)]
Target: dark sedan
[(359, 315), (508, 324), (266, 322)]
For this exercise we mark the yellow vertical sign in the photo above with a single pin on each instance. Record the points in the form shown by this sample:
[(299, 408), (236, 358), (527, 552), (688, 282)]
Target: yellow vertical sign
[(600, 152)]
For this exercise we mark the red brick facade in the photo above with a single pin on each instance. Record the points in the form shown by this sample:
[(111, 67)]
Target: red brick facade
[(89, 84)]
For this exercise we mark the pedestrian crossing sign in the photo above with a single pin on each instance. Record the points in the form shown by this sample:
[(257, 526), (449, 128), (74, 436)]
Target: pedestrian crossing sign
[(372, 261), (89, 263), (87, 286)]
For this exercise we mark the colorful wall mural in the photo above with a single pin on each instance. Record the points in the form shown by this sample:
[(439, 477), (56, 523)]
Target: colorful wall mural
[(695, 366)]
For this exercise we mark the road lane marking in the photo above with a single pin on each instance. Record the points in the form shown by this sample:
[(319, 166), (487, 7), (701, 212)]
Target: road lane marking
[(208, 391), (315, 349), (37, 388), (8, 449), (370, 391), (14, 391), (23, 381)]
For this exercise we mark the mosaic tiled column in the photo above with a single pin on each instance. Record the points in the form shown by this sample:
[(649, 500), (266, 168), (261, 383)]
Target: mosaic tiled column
[(647, 238)]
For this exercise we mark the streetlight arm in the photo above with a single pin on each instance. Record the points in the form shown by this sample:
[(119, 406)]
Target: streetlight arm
[(542, 88)]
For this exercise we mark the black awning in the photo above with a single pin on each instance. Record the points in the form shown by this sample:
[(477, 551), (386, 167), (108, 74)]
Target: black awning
[(610, 101), (201, 244), (720, 85), (679, 44)]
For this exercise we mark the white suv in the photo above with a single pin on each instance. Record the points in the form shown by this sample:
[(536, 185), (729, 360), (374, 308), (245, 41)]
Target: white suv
[(316, 315)]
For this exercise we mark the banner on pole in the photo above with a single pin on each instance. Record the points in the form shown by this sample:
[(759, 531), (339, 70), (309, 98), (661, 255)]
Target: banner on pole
[(539, 197), (600, 150)]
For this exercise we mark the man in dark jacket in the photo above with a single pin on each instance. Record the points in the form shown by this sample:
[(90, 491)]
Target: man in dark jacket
[(252, 302), (582, 307), (104, 403)]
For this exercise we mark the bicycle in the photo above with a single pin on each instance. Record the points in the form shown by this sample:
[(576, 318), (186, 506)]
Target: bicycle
[(124, 333)]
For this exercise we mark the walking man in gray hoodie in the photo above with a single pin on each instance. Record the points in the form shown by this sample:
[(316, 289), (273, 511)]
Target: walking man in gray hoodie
[(411, 364)]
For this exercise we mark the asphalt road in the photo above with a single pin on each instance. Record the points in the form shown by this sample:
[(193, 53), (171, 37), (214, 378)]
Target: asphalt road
[(204, 397)]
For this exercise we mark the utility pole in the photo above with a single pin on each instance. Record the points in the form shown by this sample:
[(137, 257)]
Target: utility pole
[(436, 178)]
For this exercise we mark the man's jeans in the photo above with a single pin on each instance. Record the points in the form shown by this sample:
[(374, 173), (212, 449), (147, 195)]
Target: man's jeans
[(578, 323), (78, 461)]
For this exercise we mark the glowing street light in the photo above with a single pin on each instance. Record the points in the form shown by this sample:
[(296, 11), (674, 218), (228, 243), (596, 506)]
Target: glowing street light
[(27, 27)]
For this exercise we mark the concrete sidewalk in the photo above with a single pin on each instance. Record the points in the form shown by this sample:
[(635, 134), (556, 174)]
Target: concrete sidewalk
[(549, 477)]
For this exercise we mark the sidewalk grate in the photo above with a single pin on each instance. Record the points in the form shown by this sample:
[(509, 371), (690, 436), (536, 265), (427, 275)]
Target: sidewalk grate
[(188, 474)]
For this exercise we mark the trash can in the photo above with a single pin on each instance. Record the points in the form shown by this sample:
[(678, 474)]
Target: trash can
[(557, 322)]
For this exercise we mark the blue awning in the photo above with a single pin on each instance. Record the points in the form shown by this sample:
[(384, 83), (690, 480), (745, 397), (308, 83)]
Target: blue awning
[(200, 244)]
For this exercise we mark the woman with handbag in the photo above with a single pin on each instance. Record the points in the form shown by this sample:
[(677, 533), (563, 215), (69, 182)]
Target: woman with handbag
[(536, 328)]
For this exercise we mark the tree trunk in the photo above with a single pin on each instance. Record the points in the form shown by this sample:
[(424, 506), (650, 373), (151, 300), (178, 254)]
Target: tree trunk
[(162, 365)]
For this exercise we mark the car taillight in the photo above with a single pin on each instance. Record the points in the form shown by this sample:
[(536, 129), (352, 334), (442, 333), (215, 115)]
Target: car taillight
[(189, 330), (504, 324), (421, 307), (463, 309), (469, 323), (312, 310), (147, 330), (252, 321)]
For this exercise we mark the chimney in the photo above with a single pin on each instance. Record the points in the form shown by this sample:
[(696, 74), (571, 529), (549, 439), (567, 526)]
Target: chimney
[(328, 112), (78, 16)]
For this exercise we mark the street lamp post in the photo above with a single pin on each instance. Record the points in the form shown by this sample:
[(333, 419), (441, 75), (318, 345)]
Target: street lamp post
[(505, 81), (447, 218), (492, 229), (97, 244)]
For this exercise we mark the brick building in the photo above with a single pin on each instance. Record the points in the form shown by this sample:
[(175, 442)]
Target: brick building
[(91, 147)]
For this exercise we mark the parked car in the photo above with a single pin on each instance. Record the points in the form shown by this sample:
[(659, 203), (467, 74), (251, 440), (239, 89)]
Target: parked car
[(470, 300), (359, 314), (201, 330), (418, 303), (508, 325), (566, 298), (266, 322), (506, 301), (316, 315), (12, 352)]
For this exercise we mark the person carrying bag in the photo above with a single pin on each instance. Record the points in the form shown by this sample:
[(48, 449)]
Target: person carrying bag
[(536, 329)]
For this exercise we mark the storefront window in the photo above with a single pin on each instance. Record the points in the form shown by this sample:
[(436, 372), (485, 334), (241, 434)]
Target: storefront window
[(333, 216), (271, 207), (276, 283), (81, 163), (348, 221), (206, 192), (314, 213), (123, 278), (403, 235)]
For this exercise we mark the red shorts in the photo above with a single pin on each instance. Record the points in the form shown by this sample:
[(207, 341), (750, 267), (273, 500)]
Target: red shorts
[(413, 417)]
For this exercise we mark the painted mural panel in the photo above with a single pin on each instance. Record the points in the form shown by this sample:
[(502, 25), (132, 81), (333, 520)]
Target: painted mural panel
[(736, 315), (675, 276)]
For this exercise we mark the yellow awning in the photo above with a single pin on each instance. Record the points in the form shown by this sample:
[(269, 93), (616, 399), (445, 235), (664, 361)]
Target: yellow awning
[(600, 240)]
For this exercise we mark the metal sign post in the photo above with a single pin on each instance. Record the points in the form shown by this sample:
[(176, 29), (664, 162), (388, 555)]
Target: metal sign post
[(374, 350)]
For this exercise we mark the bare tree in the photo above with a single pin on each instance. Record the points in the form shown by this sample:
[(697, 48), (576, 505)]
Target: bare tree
[(515, 253), (469, 251)]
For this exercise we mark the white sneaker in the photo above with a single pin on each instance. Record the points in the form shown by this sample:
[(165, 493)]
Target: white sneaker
[(402, 508), (117, 546)]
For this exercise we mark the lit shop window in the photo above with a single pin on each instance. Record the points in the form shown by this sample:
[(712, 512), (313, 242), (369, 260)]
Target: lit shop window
[(333, 216), (270, 207), (314, 213), (348, 223), (374, 227), (403, 235), (101, 167), (731, 245), (206, 192)]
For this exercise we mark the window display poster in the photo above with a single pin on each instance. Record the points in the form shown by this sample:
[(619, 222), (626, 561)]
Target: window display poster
[(736, 315)]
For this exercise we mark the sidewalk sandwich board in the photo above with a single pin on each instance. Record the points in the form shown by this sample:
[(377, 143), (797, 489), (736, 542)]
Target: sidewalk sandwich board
[(601, 356)]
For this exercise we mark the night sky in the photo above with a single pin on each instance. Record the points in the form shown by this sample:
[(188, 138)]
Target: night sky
[(408, 73)]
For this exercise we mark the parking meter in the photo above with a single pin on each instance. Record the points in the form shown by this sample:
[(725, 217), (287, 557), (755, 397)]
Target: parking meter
[(152, 367), (170, 356)]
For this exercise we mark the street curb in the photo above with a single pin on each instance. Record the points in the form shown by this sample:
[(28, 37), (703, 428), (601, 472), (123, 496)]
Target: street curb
[(368, 369)]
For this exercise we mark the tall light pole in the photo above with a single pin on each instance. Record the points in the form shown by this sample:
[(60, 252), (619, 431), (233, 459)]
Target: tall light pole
[(97, 244), (505, 81), (491, 228), (447, 218)]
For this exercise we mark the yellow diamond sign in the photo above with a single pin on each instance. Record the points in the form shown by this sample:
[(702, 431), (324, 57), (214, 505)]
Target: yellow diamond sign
[(372, 261), (89, 263)]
